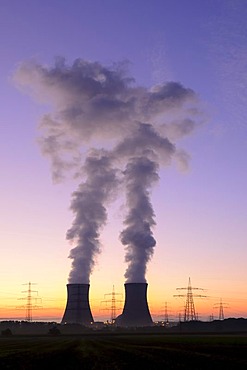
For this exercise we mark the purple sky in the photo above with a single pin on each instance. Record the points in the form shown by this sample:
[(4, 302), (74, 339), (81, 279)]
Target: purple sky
[(201, 214)]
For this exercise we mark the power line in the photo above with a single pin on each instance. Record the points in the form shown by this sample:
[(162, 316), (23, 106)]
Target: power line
[(166, 316), (29, 298), (189, 309), (113, 302), (221, 309)]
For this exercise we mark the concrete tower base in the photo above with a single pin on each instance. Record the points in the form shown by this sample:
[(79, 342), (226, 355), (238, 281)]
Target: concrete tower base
[(77, 310), (135, 312)]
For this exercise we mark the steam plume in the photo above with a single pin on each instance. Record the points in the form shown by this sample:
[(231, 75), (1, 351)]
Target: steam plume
[(144, 150), (132, 131), (140, 173), (88, 206)]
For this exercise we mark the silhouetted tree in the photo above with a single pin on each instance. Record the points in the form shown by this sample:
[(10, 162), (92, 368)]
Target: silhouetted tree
[(54, 331), (7, 333)]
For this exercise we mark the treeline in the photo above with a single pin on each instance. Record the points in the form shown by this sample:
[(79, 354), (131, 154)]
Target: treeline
[(10, 328)]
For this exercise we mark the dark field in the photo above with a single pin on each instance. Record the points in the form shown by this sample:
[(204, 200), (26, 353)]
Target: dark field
[(124, 351)]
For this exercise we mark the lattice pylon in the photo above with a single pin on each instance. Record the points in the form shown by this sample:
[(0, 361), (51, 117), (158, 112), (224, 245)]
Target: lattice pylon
[(189, 311)]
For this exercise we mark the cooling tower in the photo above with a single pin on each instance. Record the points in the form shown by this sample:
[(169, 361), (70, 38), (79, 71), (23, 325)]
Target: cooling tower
[(77, 310), (135, 311)]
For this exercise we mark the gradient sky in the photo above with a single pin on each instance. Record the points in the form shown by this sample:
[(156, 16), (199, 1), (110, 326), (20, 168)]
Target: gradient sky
[(201, 214)]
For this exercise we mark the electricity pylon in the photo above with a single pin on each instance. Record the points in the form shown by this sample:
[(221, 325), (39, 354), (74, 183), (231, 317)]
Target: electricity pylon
[(211, 317), (221, 309), (189, 309), (166, 316), (113, 302), (29, 298), (166, 319)]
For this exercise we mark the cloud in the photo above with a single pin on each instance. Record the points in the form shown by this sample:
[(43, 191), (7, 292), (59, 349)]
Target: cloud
[(132, 130)]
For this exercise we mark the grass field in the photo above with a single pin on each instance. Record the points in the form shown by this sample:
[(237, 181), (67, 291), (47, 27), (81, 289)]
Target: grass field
[(124, 351)]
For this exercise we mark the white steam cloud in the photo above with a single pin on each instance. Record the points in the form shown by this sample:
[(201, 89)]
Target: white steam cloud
[(113, 135)]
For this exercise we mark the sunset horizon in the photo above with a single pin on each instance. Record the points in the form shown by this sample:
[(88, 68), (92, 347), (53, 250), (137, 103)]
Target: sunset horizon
[(123, 151)]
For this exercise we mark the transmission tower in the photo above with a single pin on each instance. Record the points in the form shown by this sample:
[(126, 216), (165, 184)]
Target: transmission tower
[(166, 317), (113, 302), (211, 317), (29, 298), (221, 309), (189, 309)]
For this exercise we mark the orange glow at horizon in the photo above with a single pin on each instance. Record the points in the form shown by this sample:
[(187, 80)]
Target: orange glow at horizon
[(204, 308)]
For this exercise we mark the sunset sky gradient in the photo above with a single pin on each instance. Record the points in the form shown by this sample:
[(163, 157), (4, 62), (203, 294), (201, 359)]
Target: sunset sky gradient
[(201, 212)]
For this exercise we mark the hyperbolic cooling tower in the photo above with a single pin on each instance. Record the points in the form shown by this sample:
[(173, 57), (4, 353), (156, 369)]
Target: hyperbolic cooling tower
[(77, 310), (135, 311)]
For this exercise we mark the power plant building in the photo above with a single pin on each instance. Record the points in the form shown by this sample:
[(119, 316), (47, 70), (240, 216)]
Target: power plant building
[(77, 309), (135, 312)]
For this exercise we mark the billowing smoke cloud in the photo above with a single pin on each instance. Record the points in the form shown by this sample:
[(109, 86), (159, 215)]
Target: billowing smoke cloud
[(132, 131)]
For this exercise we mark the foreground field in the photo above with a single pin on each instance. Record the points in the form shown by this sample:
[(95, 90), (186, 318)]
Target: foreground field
[(108, 352)]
